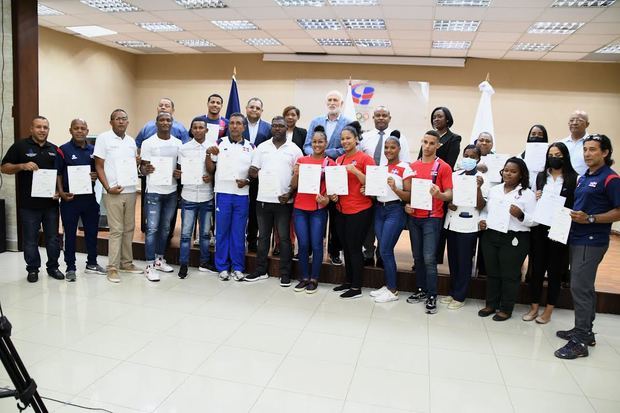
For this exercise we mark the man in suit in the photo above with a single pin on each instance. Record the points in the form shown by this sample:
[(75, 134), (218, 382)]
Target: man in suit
[(256, 131), (333, 122)]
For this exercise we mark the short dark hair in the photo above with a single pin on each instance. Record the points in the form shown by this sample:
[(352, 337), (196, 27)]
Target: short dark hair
[(605, 144), (215, 95), (446, 111), (289, 108), (542, 128), (278, 118), (355, 128), (160, 114), (433, 132), (525, 173), (40, 118), (169, 100), (117, 110), (472, 147), (237, 115), (255, 98)]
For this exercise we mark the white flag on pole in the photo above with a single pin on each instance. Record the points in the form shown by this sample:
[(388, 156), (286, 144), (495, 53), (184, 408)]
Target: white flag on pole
[(348, 110), (484, 115)]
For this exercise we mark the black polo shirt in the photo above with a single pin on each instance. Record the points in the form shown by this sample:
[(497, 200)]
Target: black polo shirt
[(24, 151)]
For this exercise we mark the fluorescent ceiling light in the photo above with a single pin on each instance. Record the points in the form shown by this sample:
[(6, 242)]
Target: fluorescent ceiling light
[(365, 60), (373, 43), (533, 47), (262, 41), (610, 49), (160, 27), (196, 43), (456, 25), (91, 31), (555, 27), (334, 42), (201, 4), (111, 6), (464, 3), (135, 44), (583, 3), (364, 24), (295, 3), (319, 24), (234, 24), (353, 2), (451, 44), (43, 10)]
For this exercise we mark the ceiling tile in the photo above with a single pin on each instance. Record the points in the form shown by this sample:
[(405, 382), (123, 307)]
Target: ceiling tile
[(70, 6), (591, 38), (125, 28), (559, 56), (497, 37), (486, 54), (601, 28), (138, 16), (404, 24), (543, 38), (369, 34), (569, 14), (454, 35), (64, 21), (376, 51), (413, 51), (230, 42), (178, 16), (521, 3), (341, 50), (448, 52), (576, 48), (281, 24), (359, 12), (220, 14), (460, 13), (290, 34), (307, 49), (156, 4), (491, 45), (310, 12), (412, 13), (513, 14), (609, 15), (211, 34), (296, 42), (517, 55), (415, 35), (503, 26), (410, 44), (263, 12)]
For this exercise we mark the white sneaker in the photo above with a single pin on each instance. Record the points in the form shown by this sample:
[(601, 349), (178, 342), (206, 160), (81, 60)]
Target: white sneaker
[(151, 274), (380, 291), (455, 305), (161, 265), (446, 300), (386, 297), (224, 275), (238, 275)]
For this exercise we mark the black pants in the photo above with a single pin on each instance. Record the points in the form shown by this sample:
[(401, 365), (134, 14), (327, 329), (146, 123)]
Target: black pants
[(334, 246), (461, 248), (550, 257), (31, 222), (269, 214), (351, 230), (252, 230)]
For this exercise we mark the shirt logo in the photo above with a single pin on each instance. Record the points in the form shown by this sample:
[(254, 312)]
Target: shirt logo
[(31, 154), (592, 184), (73, 156), (52, 153)]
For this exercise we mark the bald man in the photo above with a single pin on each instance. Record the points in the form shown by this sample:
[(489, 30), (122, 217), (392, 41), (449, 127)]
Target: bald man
[(578, 122)]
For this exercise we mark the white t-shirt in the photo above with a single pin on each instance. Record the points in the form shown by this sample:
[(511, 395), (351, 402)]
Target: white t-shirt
[(204, 191), (468, 223), (236, 158), (110, 147), (279, 161), (169, 148)]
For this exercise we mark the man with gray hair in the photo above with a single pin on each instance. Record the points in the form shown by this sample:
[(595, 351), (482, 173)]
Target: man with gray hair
[(577, 124)]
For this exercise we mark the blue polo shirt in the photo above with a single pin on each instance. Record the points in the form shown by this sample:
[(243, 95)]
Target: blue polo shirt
[(596, 193), (150, 128), (72, 154)]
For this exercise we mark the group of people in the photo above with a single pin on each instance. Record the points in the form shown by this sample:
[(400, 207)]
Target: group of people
[(247, 194)]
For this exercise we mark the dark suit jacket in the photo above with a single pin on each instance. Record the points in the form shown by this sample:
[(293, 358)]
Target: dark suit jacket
[(299, 137), (263, 134), (450, 148)]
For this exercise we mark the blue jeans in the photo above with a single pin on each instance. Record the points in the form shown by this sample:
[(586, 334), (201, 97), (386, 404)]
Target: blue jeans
[(189, 212), (31, 221), (159, 211), (310, 228), (389, 223), (424, 236), (231, 218)]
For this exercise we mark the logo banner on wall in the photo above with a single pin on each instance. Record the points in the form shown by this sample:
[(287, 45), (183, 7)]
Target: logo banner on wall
[(407, 102)]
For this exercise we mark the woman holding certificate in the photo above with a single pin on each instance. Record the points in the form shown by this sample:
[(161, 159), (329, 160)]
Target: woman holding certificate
[(309, 212), (468, 199), (555, 187), (506, 222), (390, 216), (355, 210)]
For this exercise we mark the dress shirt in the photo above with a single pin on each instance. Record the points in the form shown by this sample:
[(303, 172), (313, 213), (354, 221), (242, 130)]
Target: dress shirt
[(575, 148), (526, 201), (110, 147), (371, 138)]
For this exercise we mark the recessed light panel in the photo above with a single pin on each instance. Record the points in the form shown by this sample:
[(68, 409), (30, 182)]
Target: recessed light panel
[(610, 49), (196, 43), (262, 41), (353, 2), (111, 6), (464, 3), (160, 27), (319, 24), (555, 27), (583, 3), (533, 47), (456, 25), (364, 24), (451, 44), (91, 31), (295, 3), (334, 42), (135, 44), (201, 4), (234, 24), (373, 43), (43, 10)]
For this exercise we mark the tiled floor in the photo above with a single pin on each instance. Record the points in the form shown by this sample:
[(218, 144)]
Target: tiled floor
[(201, 345)]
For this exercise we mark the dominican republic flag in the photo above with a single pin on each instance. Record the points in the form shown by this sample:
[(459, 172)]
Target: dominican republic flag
[(233, 97)]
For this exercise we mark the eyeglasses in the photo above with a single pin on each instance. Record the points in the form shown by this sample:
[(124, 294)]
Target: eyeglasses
[(595, 137), (125, 119)]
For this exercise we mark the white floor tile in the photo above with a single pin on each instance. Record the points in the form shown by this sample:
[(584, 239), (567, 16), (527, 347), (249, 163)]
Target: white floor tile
[(327, 347), (605, 406), (389, 355), (263, 337), (173, 353), (449, 395), (355, 407), (148, 320), (342, 325), (111, 341), (398, 331), (531, 400), (526, 346), (278, 401), (460, 339), (451, 364), (537, 374), (57, 331), (596, 382), (281, 316), (213, 330)]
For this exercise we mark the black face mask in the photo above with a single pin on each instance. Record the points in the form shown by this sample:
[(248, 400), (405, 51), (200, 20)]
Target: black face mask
[(555, 163), (536, 139)]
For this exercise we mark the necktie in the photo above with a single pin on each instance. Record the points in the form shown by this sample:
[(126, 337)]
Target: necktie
[(379, 148)]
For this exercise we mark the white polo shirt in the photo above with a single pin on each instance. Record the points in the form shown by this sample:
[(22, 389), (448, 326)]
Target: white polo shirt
[(236, 157), (278, 160), (575, 148), (526, 201), (204, 191), (110, 147), (371, 138), (169, 148)]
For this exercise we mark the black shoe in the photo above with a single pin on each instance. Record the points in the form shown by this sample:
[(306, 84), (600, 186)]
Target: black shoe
[(431, 305), (206, 267), (569, 334), (417, 297), (255, 276), (183, 271), (252, 246), (285, 281), (342, 287), (501, 316), (486, 311), (380, 262), (312, 287), (572, 350), (296, 257), (301, 285), (56, 274), (276, 252), (335, 259), (369, 262), (33, 276), (351, 294)]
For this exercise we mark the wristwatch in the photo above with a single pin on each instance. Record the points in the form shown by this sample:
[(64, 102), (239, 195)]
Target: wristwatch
[(591, 219)]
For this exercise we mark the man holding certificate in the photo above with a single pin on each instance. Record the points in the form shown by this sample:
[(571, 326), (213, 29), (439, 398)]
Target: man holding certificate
[(24, 157), (159, 160), (431, 186), (273, 162), (76, 179)]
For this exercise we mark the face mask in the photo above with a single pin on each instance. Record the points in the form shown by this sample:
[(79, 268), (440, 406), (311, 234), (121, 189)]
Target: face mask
[(555, 163), (468, 163), (535, 139)]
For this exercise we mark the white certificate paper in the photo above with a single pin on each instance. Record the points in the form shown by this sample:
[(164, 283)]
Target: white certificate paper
[(336, 180), (43, 183), (465, 190), (212, 134), (560, 225), (499, 215), (79, 179), (192, 170), (495, 163), (227, 166), (547, 206), (420, 194), (126, 172), (535, 156), (309, 181), (376, 180), (268, 183), (162, 175)]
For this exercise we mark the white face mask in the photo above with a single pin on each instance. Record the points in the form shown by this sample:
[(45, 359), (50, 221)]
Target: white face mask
[(468, 164)]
